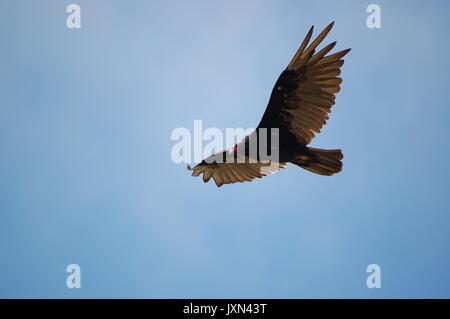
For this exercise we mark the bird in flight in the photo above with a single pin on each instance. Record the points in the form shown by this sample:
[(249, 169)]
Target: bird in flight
[(298, 108)]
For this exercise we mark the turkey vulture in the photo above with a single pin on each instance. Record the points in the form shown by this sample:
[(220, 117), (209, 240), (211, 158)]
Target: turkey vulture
[(298, 108)]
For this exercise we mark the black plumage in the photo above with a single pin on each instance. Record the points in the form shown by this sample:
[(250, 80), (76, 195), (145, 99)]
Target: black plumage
[(298, 107)]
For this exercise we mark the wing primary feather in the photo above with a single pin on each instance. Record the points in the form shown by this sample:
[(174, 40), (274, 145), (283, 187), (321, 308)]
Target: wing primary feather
[(316, 42), (301, 48), (218, 179), (207, 175), (325, 67), (322, 52), (334, 57)]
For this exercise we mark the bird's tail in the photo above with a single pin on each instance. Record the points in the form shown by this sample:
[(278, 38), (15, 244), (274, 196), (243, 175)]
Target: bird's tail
[(322, 162)]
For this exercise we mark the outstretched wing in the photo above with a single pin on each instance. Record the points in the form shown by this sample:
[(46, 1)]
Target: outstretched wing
[(228, 173), (305, 92)]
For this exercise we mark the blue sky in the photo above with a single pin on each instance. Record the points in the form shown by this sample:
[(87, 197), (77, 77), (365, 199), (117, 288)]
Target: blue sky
[(86, 175)]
